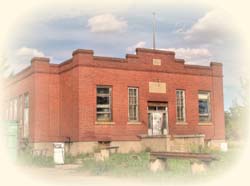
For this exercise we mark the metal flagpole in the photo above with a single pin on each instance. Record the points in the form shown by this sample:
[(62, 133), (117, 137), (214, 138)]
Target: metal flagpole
[(154, 26)]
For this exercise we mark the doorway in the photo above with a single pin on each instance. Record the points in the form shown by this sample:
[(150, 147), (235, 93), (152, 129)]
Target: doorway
[(157, 119)]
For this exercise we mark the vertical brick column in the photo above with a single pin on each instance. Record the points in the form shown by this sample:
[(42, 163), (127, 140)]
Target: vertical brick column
[(218, 103), (40, 99)]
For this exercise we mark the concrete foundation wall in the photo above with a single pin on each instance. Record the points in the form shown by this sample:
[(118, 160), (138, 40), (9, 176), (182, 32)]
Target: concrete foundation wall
[(215, 144), (184, 143), (128, 146), (48, 147), (181, 143), (155, 144)]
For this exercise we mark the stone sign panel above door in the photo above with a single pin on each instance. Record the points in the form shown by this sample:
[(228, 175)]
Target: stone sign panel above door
[(157, 87)]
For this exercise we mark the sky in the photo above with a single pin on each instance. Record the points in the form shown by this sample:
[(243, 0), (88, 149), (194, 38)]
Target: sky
[(197, 33)]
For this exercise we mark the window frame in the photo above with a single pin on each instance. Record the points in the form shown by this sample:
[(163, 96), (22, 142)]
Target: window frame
[(109, 95), (136, 105), (15, 109), (181, 106), (209, 113), (26, 108)]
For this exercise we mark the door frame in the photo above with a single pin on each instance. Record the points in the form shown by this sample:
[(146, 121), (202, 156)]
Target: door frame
[(157, 108)]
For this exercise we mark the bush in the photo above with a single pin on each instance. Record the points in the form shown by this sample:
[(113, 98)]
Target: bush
[(236, 122)]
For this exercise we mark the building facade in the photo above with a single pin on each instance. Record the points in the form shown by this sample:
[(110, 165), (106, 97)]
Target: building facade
[(147, 99)]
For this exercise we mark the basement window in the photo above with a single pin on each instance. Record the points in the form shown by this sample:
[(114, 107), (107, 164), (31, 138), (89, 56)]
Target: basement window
[(103, 103), (204, 106)]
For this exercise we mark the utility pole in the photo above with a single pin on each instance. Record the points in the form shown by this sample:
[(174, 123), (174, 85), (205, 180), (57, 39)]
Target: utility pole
[(154, 28)]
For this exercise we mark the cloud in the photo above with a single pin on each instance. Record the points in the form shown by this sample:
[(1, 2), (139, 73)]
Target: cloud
[(22, 58), (29, 52), (192, 55), (213, 27), (140, 44), (106, 23)]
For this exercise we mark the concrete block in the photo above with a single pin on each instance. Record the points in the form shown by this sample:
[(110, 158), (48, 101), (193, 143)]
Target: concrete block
[(198, 167), (98, 156), (157, 165), (102, 155), (105, 153)]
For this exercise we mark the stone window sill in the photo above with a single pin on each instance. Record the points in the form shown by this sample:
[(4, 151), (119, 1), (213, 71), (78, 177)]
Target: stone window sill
[(104, 122), (205, 123), (133, 122), (181, 123)]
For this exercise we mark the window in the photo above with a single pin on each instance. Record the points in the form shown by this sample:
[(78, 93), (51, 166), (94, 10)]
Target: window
[(103, 103), (180, 106), (26, 116), (204, 106), (20, 109), (10, 117), (7, 110), (15, 109), (133, 104)]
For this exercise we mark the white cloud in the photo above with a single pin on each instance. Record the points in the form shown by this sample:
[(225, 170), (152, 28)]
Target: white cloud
[(29, 52), (192, 55), (140, 44), (214, 27), (106, 23), (22, 58)]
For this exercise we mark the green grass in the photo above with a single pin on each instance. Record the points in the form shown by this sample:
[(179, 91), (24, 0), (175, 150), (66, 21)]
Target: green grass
[(26, 158), (136, 166)]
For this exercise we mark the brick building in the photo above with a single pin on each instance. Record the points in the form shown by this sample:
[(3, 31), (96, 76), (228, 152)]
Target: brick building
[(148, 99)]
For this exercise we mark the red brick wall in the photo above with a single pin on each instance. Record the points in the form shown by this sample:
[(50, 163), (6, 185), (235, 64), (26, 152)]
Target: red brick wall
[(63, 96)]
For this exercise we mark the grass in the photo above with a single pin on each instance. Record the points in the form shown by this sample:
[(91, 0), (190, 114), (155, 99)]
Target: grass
[(26, 158), (136, 166)]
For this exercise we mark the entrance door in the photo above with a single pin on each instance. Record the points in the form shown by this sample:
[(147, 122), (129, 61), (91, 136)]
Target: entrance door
[(157, 123), (157, 119)]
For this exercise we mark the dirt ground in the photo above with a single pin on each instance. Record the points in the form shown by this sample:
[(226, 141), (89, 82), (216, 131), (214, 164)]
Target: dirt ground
[(67, 175)]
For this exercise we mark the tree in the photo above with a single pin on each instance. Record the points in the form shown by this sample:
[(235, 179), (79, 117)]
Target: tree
[(236, 119)]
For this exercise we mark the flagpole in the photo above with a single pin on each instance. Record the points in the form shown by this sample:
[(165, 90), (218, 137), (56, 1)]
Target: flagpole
[(154, 27)]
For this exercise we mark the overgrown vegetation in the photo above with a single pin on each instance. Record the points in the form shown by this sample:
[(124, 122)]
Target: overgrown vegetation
[(25, 157), (236, 118), (135, 165)]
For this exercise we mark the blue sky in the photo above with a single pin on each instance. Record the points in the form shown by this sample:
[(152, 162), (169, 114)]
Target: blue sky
[(197, 33)]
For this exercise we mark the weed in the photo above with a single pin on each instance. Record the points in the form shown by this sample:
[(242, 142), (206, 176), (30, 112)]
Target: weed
[(26, 158)]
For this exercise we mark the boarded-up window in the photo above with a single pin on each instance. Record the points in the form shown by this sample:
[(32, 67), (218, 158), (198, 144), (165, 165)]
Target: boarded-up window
[(20, 109), (180, 106), (26, 116), (204, 106), (133, 104), (15, 109), (103, 103), (7, 108), (11, 110)]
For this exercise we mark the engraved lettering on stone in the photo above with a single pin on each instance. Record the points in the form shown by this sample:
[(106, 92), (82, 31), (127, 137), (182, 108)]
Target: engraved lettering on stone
[(157, 62), (157, 87)]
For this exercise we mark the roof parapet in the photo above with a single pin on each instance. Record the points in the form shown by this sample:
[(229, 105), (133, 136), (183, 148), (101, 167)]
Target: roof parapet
[(131, 56), (215, 64), (179, 60), (40, 59), (155, 51), (82, 51)]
